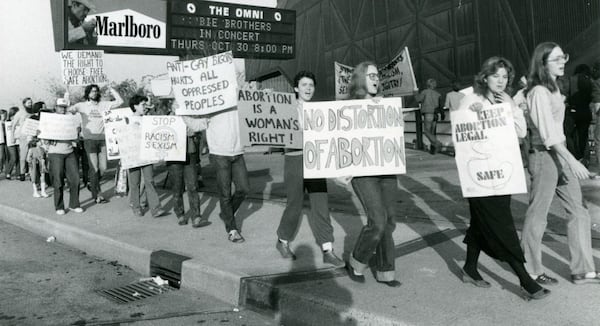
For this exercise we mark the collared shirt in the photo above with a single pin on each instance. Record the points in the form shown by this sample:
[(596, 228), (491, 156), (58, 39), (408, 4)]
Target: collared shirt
[(547, 113)]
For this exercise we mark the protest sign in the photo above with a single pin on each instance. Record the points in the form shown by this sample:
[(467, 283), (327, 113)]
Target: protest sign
[(10, 135), (397, 77), (128, 136), (30, 127), (58, 126), (163, 138), (353, 138), (487, 150), (114, 120), (81, 68), (204, 85), (269, 118), (342, 80)]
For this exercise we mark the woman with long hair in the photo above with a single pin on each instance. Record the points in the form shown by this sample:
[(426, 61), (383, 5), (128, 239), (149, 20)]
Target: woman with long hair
[(492, 229), (553, 170), (376, 194)]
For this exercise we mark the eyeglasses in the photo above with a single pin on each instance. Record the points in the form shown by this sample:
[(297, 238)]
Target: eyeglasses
[(373, 76), (564, 57)]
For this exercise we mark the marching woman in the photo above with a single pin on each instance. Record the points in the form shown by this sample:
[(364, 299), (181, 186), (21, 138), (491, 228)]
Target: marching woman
[(554, 170), (492, 228), (63, 159), (318, 219), (376, 196)]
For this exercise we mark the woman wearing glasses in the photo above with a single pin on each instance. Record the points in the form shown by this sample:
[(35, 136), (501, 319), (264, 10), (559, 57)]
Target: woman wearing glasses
[(553, 170), (376, 194)]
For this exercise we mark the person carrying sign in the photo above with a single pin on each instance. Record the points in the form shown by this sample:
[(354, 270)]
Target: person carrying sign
[(92, 112), (553, 170), (134, 175), (376, 196), (491, 228), (64, 161), (319, 219)]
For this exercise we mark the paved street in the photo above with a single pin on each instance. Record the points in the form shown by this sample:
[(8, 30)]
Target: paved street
[(48, 283)]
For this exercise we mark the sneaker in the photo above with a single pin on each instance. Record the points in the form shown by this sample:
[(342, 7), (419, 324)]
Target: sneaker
[(77, 209), (44, 194), (60, 212), (235, 237), (181, 220), (22, 177), (158, 212), (137, 212), (586, 278), (546, 280), (8, 177), (36, 195), (100, 200), (199, 222), (330, 258), (284, 250)]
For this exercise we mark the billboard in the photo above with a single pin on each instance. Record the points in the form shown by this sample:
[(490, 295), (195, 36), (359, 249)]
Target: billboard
[(174, 27)]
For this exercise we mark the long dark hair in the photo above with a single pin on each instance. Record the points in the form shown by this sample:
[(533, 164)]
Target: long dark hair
[(358, 82), (490, 67), (88, 89), (538, 73)]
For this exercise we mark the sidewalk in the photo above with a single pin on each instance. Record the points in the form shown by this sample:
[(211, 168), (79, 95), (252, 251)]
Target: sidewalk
[(432, 216)]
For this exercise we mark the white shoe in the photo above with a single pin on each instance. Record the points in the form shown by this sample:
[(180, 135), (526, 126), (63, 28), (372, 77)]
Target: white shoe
[(36, 195), (60, 212), (44, 194), (77, 210)]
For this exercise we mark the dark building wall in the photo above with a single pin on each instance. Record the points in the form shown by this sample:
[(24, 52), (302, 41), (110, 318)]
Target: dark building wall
[(447, 39)]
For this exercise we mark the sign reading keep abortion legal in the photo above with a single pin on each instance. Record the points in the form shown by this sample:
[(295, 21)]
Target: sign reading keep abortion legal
[(353, 138)]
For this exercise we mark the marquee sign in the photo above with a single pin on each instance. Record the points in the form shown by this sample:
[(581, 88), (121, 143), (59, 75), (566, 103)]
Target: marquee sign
[(175, 27)]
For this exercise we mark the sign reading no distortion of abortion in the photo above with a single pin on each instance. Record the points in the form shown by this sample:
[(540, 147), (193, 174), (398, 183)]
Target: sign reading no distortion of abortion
[(80, 68), (269, 118), (205, 85), (487, 150), (163, 138), (353, 138), (58, 126)]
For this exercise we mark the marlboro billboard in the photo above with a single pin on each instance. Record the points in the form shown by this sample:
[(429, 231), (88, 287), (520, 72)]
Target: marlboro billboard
[(174, 27)]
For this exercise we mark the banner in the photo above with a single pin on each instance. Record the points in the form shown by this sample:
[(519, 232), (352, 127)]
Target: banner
[(342, 80), (128, 137), (487, 150), (30, 127), (81, 68), (353, 138), (205, 85), (58, 126), (269, 118), (10, 134), (397, 77), (114, 121), (163, 138)]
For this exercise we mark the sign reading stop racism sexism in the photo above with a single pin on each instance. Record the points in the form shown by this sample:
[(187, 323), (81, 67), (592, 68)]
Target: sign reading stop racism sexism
[(163, 138)]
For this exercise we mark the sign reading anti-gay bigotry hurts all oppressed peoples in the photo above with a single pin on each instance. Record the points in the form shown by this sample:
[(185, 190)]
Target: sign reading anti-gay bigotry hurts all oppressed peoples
[(164, 138), (81, 68), (353, 138), (269, 118), (487, 150), (205, 85), (58, 126)]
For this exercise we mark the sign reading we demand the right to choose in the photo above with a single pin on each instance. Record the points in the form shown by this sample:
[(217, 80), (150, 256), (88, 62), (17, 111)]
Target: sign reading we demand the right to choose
[(353, 138)]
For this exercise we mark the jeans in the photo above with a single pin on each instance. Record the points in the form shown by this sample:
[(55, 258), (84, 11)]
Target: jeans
[(376, 194), (597, 137), (134, 179), (23, 148), (230, 168), (551, 175), (96, 151), (3, 156), (318, 219), (59, 163), (13, 159), (180, 174)]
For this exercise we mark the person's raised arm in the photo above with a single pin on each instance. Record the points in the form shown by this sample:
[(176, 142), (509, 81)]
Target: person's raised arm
[(118, 99)]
